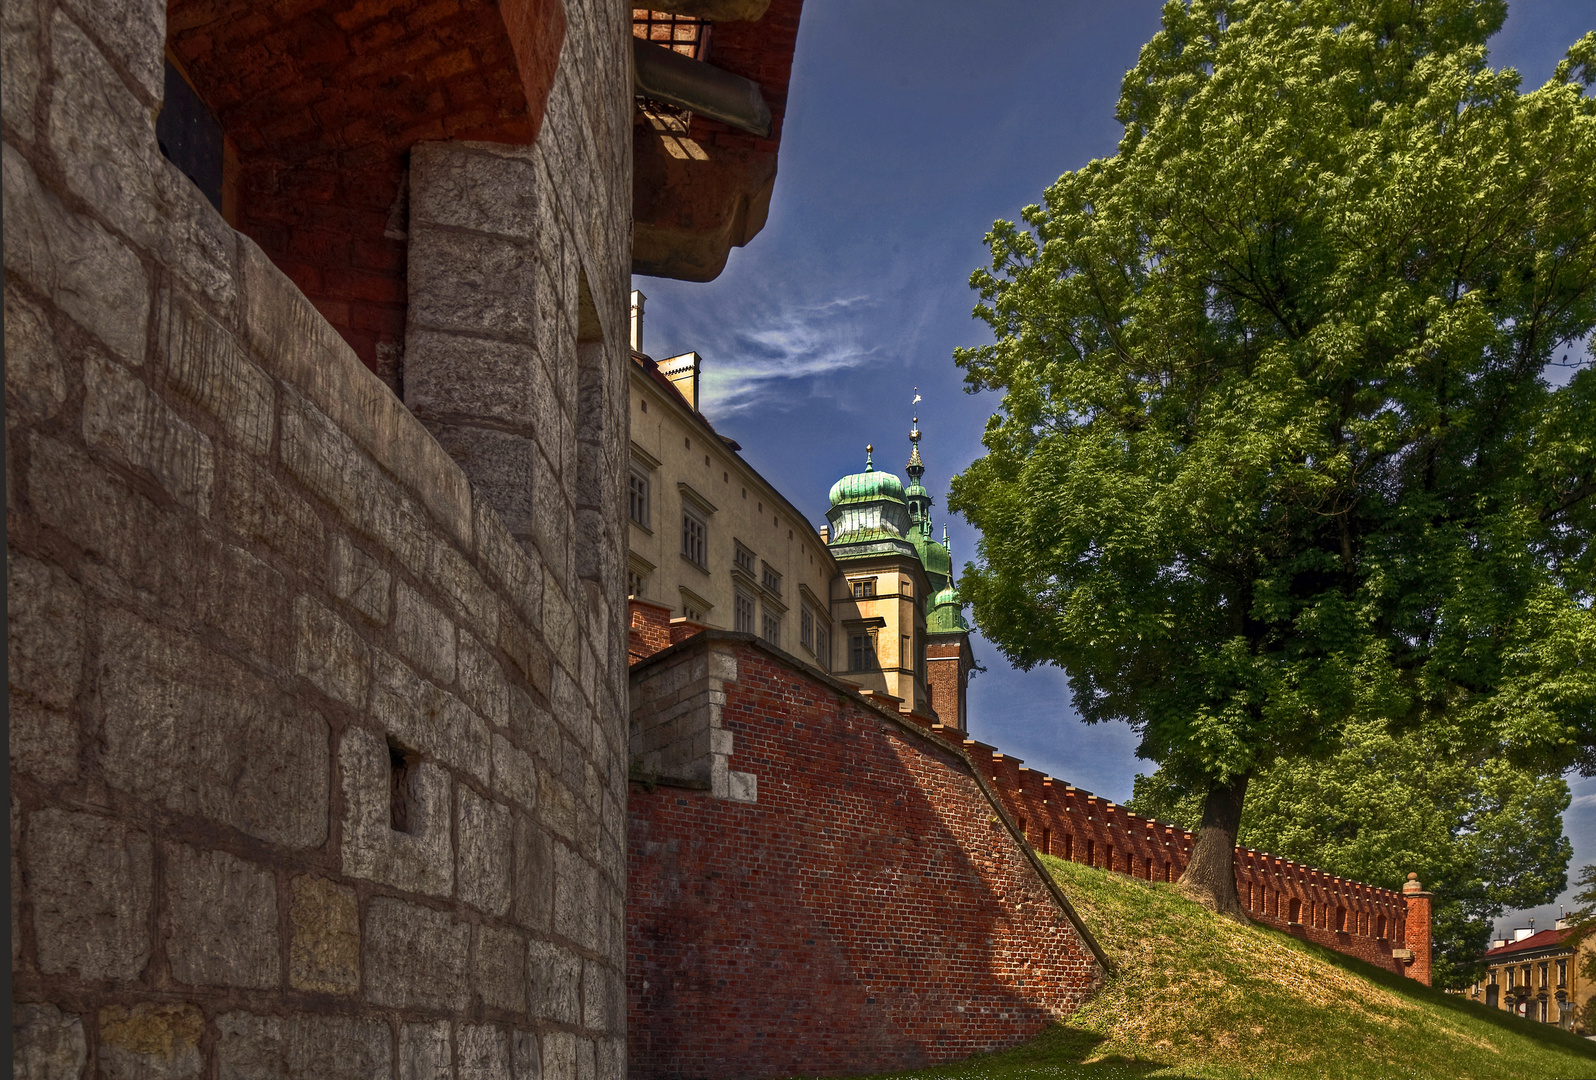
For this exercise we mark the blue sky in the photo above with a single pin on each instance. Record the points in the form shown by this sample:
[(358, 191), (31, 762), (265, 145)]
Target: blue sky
[(912, 126)]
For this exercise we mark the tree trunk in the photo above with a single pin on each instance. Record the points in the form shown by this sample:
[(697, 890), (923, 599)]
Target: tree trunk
[(1210, 877)]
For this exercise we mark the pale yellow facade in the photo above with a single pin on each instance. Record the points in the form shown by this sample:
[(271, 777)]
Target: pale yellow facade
[(881, 637), (709, 537)]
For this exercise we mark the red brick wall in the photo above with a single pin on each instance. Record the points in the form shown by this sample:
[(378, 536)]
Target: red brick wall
[(649, 629), (942, 678), (869, 911), (1072, 823)]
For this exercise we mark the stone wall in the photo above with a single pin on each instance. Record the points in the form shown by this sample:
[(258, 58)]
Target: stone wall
[(819, 886), (317, 743)]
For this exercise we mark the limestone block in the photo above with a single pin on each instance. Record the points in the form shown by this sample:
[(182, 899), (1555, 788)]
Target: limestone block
[(299, 346), (415, 957), (16, 884), (47, 1044), (586, 1059), (534, 874), (19, 67), (501, 382), (302, 1047), (611, 1055), (359, 580), (551, 532), (192, 730), (526, 1063), (555, 975), (91, 881), (262, 509), (559, 629), (122, 418), (515, 776), (463, 588), (424, 1052), (424, 634), (221, 920), (559, 1055), (484, 1052), (330, 654), (200, 248), (603, 998), (103, 136), (474, 283), (44, 633), (520, 578), (483, 868), (151, 1041), (485, 187), (499, 971), (44, 744), (324, 953), (36, 384), (557, 808), (420, 860), (134, 33), (431, 720), (328, 462), (529, 655), (88, 273), (503, 468), (482, 682), (206, 365), (232, 591)]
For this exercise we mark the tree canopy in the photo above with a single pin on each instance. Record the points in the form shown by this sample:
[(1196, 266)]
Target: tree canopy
[(1488, 834), (1278, 447)]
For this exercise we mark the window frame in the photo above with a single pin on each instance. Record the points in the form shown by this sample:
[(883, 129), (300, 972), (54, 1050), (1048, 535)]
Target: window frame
[(743, 600), (691, 516), (639, 506)]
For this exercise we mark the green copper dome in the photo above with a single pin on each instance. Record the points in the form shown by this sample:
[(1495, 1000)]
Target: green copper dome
[(946, 614), (935, 558), (867, 486)]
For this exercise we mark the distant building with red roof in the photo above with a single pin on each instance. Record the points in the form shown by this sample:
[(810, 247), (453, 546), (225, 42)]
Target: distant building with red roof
[(1535, 975)]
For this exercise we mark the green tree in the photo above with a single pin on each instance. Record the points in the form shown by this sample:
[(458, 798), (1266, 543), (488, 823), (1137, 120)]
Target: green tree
[(1488, 834), (1276, 446)]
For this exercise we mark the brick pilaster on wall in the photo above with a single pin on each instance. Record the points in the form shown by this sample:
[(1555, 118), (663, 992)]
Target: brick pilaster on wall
[(650, 629), (1416, 927)]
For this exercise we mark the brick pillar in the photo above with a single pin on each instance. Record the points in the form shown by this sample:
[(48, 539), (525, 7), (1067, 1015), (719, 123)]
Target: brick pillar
[(1416, 928), (650, 629)]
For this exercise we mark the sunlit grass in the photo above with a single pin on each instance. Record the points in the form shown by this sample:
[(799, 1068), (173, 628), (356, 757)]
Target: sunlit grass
[(1195, 995)]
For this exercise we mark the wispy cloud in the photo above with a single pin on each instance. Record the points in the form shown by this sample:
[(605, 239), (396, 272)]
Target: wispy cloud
[(1584, 800)]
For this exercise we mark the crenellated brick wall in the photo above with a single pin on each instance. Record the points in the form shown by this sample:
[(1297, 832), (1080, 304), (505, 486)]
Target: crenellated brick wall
[(817, 885), (1370, 923)]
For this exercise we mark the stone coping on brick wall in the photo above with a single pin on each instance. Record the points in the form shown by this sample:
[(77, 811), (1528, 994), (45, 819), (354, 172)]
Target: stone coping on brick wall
[(707, 639)]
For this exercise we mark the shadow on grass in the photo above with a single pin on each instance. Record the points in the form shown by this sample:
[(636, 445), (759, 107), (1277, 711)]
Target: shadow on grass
[(1550, 1034), (1061, 1052)]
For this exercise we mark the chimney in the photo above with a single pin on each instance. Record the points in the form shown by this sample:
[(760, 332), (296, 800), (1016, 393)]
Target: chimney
[(638, 300), (825, 534), (682, 371)]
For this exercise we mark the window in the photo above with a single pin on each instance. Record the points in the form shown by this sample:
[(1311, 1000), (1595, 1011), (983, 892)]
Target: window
[(743, 558), (862, 651), (1543, 973), (1069, 847), (1562, 973), (637, 499), (1509, 978), (690, 612), (806, 628), (770, 579), (1091, 853), (743, 612), (694, 538), (863, 590), (770, 628), (919, 654), (634, 583), (822, 646), (1295, 911)]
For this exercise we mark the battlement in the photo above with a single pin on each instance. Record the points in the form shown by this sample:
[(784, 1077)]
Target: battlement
[(1381, 926)]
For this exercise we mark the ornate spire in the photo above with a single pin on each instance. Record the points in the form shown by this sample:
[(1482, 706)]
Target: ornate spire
[(870, 464), (915, 468)]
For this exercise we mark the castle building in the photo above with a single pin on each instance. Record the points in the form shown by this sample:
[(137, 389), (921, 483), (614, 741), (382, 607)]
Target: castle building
[(710, 539), (870, 597), (1536, 975)]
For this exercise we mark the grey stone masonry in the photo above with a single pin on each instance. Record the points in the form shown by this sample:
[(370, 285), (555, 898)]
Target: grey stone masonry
[(317, 696), (676, 735)]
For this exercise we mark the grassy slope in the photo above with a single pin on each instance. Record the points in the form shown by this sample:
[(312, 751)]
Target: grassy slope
[(1195, 995)]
